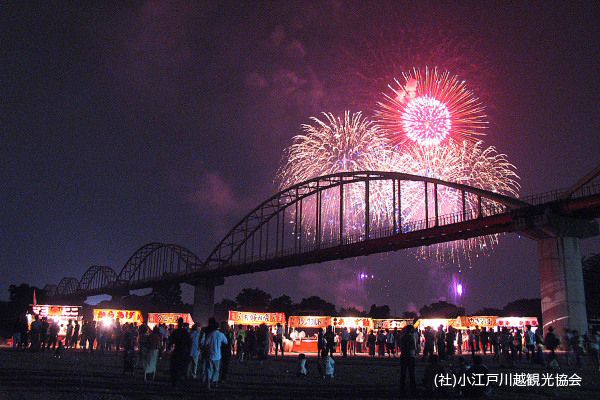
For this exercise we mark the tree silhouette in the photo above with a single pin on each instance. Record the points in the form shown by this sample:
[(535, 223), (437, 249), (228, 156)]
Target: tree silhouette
[(253, 300), (352, 312), (441, 309), (316, 306), (282, 304), (489, 311), (410, 314), (22, 295), (168, 295), (379, 312), (523, 308)]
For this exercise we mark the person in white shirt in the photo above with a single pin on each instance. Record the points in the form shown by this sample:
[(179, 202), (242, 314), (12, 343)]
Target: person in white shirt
[(359, 341), (212, 342)]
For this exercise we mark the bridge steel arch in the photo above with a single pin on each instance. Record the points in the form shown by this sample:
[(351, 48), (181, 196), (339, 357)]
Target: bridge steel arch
[(67, 286), (262, 235), (97, 277), (154, 261)]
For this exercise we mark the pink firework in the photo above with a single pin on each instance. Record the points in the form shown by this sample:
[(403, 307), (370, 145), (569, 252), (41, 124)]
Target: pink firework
[(429, 108)]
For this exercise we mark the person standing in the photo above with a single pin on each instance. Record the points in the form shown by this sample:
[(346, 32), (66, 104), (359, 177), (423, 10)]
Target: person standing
[(530, 344), (371, 342), (390, 343), (321, 345), (180, 356), (152, 354), (226, 351), (35, 333), (44, 333), (345, 340), (91, 335), (381, 343), (75, 336), (360, 340), (494, 341), (471, 340), (429, 339), (194, 350), (329, 341), (485, 339), (551, 341), (408, 354), (352, 342), (459, 341), (212, 341), (17, 334), (450, 338), (477, 334), (279, 339), (441, 343), (53, 330), (241, 344), (69, 334), (128, 349)]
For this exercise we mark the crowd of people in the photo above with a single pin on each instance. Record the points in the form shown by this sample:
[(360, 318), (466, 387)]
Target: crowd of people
[(205, 353)]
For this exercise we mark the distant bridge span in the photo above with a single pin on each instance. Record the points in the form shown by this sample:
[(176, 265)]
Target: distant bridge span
[(297, 226)]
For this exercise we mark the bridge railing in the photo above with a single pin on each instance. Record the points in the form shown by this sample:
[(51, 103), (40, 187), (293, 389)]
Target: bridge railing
[(412, 226), (555, 195)]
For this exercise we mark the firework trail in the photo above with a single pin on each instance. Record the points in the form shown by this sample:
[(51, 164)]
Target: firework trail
[(429, 108), (330, 145), (468, 163)]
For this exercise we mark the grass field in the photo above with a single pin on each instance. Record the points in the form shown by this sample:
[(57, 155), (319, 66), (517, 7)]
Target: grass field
[(30, 376)]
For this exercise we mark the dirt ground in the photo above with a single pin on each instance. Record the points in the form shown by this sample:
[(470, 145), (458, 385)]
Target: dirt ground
[(85, 376)]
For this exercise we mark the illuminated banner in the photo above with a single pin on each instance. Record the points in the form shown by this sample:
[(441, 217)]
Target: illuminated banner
[(435, 323), (352, 322), (252, 318), (45, 310), (168, 319), (480, 321), (102, 314), (391, 323), (309, 322), (516, 322)]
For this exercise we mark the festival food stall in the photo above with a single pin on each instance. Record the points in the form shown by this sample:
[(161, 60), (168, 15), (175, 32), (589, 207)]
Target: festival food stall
[(392, 323), (168, 319), (107, 316), (246, 318), (303, 343), (57, 313)]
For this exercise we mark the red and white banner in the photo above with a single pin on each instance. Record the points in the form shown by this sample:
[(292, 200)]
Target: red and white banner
[(255, 318), (516, 322), (47, 310), (297, 321), (103, 314), (391, 323), (168, 319)]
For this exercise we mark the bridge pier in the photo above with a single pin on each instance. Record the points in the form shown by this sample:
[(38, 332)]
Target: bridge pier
[(204, 299), (561, 280)]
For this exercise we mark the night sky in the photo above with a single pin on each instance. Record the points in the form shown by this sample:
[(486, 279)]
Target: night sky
[(166, 121)]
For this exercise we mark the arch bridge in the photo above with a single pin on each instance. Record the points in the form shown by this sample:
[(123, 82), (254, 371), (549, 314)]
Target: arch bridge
[(354, 214)]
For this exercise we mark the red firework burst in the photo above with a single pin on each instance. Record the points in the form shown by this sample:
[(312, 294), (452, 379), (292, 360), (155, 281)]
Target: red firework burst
[(429, 108)]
